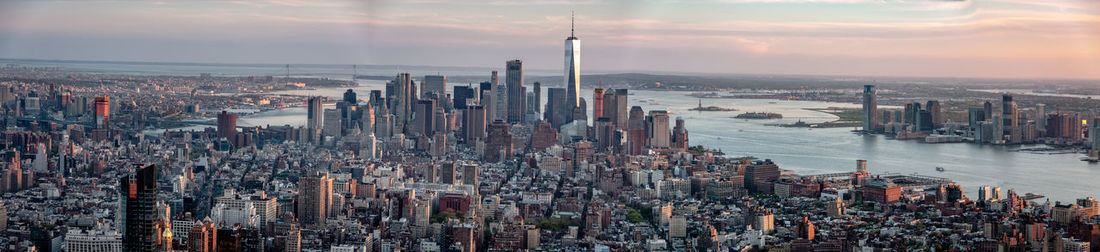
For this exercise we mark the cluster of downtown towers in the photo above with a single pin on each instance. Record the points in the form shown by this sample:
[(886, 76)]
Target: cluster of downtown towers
[(1010, 126), (486, 111)]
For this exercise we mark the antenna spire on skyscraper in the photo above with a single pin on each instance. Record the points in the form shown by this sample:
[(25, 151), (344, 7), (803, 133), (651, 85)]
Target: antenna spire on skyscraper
[(572, 22)]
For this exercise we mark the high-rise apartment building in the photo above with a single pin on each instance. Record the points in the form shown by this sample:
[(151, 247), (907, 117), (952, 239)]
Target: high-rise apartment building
[(498, 146), (314, 199), (936, 113), (227, 125), (1009, 114), (870, 108)]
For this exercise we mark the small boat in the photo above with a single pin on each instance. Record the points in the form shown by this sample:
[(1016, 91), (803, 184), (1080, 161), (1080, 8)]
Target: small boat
[(939, 168)]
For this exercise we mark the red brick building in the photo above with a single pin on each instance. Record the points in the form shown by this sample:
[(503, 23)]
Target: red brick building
[(881, 191)]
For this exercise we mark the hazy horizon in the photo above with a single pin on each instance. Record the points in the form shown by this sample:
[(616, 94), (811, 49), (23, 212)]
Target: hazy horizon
[(1003, 39)]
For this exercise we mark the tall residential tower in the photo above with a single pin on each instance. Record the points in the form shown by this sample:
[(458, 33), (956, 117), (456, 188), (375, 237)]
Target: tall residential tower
[(870, 106)]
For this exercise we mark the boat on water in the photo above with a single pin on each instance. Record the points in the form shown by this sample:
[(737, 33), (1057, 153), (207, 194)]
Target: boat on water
[(939, 168)]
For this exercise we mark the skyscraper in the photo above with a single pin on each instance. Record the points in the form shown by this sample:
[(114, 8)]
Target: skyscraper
[(615, 106), (1009, 114), (350, 97), (461, 95), (498, 146), (423, 117), (658, 130), (138, 211), (488, 98), (102, 112), (1041, 115), (331, 123), (474, 124), (538, 97), (679, 135), (597, 103), (572, 74), (227, 125), (366, 118), (605, 135), (500, 96), (401, 94), (433, 84), (517, 95), (975, 115), (936, 112), (314, 117), (988, 108), (870, 108), (636, 131), (314, 199), (558, 110)]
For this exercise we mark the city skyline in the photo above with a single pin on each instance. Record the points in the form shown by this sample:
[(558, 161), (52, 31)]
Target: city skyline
[(108, 156), (1002, 38)]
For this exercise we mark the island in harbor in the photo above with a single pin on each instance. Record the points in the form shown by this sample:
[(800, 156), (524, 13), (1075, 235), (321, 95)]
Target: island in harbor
[(759, 115), (710, 108)]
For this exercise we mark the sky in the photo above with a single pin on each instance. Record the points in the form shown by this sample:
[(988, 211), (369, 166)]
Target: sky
[(911, 38)]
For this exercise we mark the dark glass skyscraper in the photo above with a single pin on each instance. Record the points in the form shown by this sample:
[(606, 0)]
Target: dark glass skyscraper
[(138, 199), (461, 94), (350, 97), (558, 110)]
